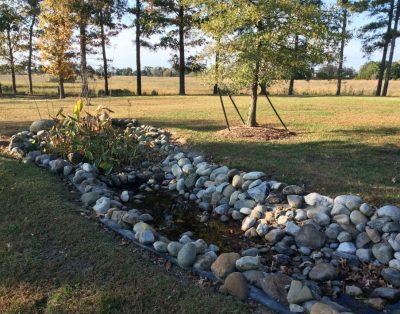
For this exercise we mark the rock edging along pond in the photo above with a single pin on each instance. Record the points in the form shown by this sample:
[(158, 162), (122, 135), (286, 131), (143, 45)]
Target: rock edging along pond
[(307, 251)]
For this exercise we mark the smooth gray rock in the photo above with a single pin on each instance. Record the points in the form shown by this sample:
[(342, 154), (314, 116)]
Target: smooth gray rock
[(248, 263), (364, 255), (258, 193), (187, 255), (244, 203), (392, 276), (388, 293), (160, 246), (382, 252), (254, 175), (293, 190), (323, 272), (43, 124), (247, 223), (310, 237), (352, 202), (102, 205), (146, 237), (318, 200), (347, 247), (389, 211), (90, 198), (295, 201), (174, 247), (298, 293), (357, 217)]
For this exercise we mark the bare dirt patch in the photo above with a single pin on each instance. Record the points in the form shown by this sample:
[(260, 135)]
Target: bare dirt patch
[(259, 133)]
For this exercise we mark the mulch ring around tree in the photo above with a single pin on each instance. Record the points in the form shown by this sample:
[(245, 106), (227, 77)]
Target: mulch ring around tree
[(258, 133)]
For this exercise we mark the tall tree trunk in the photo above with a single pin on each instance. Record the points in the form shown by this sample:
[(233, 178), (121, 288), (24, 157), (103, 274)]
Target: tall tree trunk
[(103, 49), (138, 61), (82, 42), (11, 60), (181, 52), (291, 82), (382, 66), (61, 91), (341, 53), (30, 54), (391, 53)]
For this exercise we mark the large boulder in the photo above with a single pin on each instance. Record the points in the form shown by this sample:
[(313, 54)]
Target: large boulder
[(187, 255), (43, 124)]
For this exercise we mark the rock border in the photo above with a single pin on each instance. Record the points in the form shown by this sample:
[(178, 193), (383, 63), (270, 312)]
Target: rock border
[(310, 228)]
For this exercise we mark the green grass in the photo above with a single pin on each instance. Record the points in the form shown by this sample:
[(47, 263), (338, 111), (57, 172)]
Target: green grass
[(54, 260), (343, 144)]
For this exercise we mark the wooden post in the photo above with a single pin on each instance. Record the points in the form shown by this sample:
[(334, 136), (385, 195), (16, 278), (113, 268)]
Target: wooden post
[(223, 108), (276, 112), (237, 110)]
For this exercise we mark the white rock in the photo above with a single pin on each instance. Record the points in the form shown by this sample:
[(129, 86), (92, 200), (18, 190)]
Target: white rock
[(102, 205), (247, 223), (254, 175), (124, 196), (87, 167)]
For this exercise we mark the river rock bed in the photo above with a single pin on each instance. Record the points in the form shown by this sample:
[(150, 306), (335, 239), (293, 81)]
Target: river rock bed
[(304, 249)]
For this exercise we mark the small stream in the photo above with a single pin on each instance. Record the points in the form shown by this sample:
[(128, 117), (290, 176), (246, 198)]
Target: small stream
[(174, 215)]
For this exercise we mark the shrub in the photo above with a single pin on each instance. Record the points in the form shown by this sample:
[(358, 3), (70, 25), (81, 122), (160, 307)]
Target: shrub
[(94, 137), (154, 93), (122, 92)]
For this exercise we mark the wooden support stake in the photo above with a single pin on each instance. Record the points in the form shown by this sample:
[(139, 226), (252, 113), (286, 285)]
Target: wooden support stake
[(223, 108), (276, 112), (237, 110)]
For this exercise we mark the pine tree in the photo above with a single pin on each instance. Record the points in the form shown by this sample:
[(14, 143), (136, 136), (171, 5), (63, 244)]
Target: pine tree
[(376, 34), (32, 13), (176, 20), (57, 24), (11, 34), (106, 19), (394, 35)]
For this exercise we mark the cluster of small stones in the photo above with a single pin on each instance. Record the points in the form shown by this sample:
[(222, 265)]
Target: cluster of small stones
[(306, 236)]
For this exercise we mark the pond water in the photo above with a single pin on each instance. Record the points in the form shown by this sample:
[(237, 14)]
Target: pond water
[(174, 215)]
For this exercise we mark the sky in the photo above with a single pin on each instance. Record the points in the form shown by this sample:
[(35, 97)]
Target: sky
[(122, 50)]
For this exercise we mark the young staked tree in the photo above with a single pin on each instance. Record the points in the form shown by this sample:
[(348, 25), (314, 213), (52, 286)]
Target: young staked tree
[(106, 19), (32, 13), (256, 41), (394, 35), (176, 21), (57, 24), (11, 34), (376, 34)]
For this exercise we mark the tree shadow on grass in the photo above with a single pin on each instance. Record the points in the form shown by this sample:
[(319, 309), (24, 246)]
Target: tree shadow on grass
[(381, 131), (334, 167)]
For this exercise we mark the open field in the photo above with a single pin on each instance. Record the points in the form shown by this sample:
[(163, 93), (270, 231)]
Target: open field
[(197, 86), (343, 144), (53, 260)]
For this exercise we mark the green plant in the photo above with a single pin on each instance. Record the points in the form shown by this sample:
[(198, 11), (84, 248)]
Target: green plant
[(154, 93), (93, 136)]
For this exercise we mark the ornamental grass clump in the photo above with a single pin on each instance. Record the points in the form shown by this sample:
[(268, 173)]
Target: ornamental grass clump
[(94, 138)]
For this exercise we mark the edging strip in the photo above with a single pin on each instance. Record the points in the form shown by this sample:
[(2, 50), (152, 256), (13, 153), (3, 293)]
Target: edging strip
[(254, 293)]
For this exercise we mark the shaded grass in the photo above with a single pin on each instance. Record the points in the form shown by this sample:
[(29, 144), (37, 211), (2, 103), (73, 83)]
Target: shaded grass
[(343, 144), (53, 260)]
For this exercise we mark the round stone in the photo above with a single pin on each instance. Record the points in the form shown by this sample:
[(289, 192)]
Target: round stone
[(187, 255)]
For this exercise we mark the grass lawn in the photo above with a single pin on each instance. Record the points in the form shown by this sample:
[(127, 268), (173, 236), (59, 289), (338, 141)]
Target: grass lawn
[(343, 144), (195, 85), (54, 260)]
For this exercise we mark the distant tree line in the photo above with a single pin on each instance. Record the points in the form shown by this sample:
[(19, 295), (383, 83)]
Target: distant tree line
[(245, 43)]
